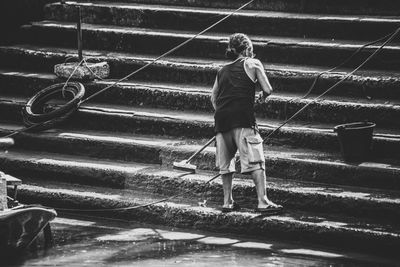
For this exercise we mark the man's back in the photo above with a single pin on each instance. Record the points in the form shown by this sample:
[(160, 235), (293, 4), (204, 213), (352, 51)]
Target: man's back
[(235, 97)]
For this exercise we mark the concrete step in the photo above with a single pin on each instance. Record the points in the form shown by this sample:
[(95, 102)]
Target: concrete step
[(262, 22), (178, 241), (290, 78), (346, 233), (383, 7), (267, 48), (379, 205), (197, 124), (280, 105), (281, 162), (18, 82)]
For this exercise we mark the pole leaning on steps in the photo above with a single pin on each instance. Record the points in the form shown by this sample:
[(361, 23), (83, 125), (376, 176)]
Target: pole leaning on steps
[(79, 33)]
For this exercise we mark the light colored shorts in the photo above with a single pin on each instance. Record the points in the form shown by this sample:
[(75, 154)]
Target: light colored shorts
[(250, 146)]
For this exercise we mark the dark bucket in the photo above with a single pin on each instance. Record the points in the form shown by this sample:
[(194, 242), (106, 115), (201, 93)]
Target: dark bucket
[(355, 140)]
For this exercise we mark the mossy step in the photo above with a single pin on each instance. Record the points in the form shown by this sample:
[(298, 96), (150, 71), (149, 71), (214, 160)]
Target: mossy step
[(283, 162), (379, 205), (318, 228), (389, 7), (252, 22), (26, 83), (293, 78), (280, 105), (157, 121), (267, 48)]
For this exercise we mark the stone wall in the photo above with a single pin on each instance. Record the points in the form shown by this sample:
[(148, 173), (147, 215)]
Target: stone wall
[(14, 13)]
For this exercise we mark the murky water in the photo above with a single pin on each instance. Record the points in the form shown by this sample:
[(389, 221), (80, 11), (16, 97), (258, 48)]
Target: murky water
[(88, 242)]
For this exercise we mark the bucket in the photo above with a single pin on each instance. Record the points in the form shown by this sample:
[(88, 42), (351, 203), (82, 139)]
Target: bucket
[(355, 140)]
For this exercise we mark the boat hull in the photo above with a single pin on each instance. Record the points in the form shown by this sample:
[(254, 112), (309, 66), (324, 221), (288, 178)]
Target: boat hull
[(21, 225)]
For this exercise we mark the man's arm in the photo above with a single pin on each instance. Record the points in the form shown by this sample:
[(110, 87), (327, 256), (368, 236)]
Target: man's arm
[(214, 93), (262, 77)]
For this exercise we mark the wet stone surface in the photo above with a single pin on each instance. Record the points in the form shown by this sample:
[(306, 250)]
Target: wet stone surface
[(99, 242)]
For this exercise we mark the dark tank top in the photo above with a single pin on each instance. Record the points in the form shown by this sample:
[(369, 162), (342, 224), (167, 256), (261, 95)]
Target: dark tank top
[(235, 98)]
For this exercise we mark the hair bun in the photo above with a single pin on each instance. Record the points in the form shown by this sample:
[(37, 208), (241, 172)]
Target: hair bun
[(231, 54)]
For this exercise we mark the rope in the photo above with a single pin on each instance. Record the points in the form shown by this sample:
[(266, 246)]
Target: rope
[(392, 36), (69, 78), (136, 71), (168, 52), (267, 137), (343, 63), (333, 69), (143, 205), (128, 76), (34, 126)]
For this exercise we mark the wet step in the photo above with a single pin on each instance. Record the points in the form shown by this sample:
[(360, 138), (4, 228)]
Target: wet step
[(290, 78), (261, 22), (157, 121), (118, 153), (280, 105), (383, 7), (343, 232), (267, 48), (283, 162), (155, 245), (379, 205)]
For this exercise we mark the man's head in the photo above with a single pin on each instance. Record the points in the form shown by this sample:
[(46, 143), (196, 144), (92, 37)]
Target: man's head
[(239, 45)]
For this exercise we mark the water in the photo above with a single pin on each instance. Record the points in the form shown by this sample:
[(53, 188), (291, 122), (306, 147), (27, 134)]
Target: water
[(97, 242)]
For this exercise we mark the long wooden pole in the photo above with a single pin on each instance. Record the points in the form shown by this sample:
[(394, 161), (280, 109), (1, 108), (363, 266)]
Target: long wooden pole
[(79, 32)]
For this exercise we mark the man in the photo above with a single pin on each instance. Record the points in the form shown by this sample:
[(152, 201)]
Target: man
[(233, 98)]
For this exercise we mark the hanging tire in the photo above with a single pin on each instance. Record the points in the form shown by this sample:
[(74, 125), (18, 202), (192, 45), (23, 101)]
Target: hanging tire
[(47, 120)]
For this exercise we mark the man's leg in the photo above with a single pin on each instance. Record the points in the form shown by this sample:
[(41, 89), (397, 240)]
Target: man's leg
[(226, 150), (252, 161), (227, 186), (259, 179)]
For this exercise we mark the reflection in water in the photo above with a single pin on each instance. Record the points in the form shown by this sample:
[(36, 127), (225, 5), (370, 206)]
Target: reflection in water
[(104, 243)]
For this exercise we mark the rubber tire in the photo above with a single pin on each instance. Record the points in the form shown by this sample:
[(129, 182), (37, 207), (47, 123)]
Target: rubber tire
[(30, 118)]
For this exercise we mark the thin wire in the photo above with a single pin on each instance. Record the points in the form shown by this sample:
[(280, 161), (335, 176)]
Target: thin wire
[(267, 137), (335, 85), (176, 48), (70, 77), (42, 123), (21, 130), (138, 70), (143, 205), (86, 64), (309, 91), (343, 63), (168, 52)]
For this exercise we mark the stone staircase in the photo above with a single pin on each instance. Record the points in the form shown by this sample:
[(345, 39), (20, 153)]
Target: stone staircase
[(117, 150)]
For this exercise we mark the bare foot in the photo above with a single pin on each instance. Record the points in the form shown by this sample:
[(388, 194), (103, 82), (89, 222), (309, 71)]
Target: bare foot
[(228, 205), (266, 203)]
